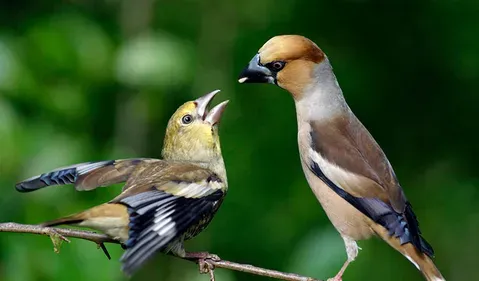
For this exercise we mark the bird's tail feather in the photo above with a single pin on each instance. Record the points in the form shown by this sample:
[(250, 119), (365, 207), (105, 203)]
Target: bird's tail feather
[(73, 219), (111, 219), (103, 210), (421, 260), (429, 269)]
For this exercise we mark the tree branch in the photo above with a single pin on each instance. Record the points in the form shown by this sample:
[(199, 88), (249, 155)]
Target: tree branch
[(206, 266)]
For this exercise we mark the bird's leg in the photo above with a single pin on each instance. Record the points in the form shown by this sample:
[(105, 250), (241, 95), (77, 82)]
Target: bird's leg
[(339, 275), (204, 262), (352, 250), (201, 256), (203, 259)]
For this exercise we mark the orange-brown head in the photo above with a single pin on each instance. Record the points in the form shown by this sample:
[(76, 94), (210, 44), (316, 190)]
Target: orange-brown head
[(287, 60)]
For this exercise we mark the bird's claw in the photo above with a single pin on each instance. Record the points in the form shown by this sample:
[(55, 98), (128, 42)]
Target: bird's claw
[(206, 266), (57, 238), (53, 233), (205, 262)]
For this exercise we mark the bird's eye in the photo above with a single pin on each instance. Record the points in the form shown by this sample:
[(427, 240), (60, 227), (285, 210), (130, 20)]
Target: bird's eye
[(187, 119), (278, 65)]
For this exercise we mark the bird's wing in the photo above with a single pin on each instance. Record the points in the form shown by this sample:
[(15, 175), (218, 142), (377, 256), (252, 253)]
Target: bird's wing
[(355, 162), (85, 176), (165, 206), (347, 158)]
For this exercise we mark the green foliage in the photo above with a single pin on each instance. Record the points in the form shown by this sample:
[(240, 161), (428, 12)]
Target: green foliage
[(93, 80)]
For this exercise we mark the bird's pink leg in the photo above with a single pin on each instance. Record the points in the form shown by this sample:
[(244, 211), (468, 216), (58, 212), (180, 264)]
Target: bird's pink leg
[(339, 275), (352, 251)]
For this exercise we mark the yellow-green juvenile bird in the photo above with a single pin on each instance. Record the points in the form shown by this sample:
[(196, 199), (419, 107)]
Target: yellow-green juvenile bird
[(345, 167), (163, 202)]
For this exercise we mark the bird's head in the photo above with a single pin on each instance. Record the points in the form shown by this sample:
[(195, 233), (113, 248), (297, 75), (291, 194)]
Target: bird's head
[(288, 61), (192, 132)]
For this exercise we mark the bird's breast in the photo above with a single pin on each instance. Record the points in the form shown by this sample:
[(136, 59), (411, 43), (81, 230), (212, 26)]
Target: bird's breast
[(345, 218)]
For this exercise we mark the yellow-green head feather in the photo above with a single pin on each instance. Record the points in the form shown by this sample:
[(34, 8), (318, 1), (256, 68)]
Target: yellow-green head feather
[(195, 141), (192, 134)]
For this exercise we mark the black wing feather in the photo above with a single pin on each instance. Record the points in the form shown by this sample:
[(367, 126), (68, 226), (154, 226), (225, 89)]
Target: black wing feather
[(403, 226), (61, 176), (158, 218), (76, 174)]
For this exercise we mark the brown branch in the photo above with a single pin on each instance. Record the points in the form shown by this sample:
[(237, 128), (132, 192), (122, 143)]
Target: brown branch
[(206, 266)]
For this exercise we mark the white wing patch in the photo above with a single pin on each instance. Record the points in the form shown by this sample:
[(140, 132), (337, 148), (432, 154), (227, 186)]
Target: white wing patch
[(162, 221), (192, 190), (336, 174), (166, 229)]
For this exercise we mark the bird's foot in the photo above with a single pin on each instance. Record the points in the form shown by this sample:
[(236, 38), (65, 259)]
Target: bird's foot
[(56, 238), (54, 234), (205, 262), (206, 266), (201, 256)]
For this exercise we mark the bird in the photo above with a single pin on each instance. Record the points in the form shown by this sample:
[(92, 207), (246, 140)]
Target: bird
[(345, 167), (164, 201)]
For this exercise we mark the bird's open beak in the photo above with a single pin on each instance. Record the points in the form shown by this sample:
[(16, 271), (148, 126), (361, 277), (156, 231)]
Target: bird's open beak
[(203, 102), (214, 115), (256, 73)]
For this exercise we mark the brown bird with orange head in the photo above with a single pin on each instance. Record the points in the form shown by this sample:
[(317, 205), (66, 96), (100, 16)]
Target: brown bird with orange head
[(344, 166)]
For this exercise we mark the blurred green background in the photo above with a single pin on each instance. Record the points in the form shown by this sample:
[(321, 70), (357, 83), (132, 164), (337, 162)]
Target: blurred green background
[(95, 80)]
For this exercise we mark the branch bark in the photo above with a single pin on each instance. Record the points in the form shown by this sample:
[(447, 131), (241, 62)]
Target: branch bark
[(206, 266)]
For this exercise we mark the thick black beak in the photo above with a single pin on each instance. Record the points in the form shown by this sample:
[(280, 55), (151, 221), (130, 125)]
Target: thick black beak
[(256, 73)]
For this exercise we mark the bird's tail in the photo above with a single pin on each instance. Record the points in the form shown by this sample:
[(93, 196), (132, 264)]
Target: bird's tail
[(110, 218), (69, 220), (429, 269), (421, 260)]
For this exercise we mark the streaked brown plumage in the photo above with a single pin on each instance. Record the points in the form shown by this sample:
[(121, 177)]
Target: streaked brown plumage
[(345, 167), (163, 202)]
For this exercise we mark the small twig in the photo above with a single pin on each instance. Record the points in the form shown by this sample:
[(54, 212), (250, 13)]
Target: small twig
[(100, 239), (261, 271), (105, 250), (65, 232), (61, 233)]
